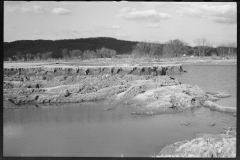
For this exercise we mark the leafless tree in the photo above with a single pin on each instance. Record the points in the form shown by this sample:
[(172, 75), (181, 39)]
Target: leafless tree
[(65, 53), (175, 48), (76, 53), (202, 46), (147, 49)]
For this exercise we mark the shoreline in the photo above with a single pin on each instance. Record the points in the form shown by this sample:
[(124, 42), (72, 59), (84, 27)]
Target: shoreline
[(148, 89), (125, 62)]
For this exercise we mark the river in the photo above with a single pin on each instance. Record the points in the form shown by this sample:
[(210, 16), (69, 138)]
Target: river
[(86, 129), (217, 78)]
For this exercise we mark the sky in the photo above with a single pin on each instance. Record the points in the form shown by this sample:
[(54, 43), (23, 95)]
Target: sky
[(134, 21)]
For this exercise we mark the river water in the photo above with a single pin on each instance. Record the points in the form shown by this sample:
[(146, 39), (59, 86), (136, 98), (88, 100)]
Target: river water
[(86, 129), (215, 78)]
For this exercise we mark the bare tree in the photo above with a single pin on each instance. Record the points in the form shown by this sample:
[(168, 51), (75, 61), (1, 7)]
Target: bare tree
[(147, 49), (202, 45), (76, 54), (105, 53), (175, 48), (65, 53), (37, 57), (48, 55), (88, 54), (28, 56), (231, 48), (18, 56), (222, 49), (141, 49)]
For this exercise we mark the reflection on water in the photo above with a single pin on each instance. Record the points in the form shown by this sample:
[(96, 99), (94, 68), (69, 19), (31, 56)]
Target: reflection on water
[(87, 130), (68, 113)]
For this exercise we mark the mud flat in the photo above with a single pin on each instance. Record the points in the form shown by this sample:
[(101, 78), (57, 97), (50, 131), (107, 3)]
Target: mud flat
[(205, 145), (149, 90)]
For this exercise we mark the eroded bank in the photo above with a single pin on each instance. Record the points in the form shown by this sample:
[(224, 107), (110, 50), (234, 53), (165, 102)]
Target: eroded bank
[(149, 90)]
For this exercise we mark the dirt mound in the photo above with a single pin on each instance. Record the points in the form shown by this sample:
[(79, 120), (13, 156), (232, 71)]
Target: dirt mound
[(208, 145)]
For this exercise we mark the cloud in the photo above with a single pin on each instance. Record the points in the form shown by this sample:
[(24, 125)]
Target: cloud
[(217, 12), (122, 35), (39, 9), (115, 27), (92, 31), (225, 20), (67, 33), (144, 16), (60, 11), (109, 27), (16, 7), (154, 26), (37, 32), (73, 33)]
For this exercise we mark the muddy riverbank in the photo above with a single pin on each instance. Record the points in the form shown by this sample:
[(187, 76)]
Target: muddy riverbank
[(148, 89)]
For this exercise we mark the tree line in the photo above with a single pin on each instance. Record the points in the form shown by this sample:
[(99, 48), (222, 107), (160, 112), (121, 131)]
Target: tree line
[(66, 54), (179, 48), (56, 46), (171, 48)]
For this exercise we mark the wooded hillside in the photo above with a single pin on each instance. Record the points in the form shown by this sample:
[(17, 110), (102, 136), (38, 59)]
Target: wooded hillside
[(42, 46)]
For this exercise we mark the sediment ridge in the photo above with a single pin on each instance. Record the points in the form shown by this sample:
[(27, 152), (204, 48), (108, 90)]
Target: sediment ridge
[(143, 85), (49, 71)]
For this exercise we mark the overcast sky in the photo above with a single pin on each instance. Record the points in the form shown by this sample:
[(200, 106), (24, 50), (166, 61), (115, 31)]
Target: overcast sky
[(135, 21)]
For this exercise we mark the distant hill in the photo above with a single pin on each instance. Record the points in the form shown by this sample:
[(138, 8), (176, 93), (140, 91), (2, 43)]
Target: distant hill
[(56, 46)]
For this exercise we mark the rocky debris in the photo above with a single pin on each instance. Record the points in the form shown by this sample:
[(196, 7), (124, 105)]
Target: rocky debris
[(24, 91), (108, 109), (212, 98), (153, 110), (12, 84), (49, 73), (165, 81), (185, 123), (148, 113), (217, 107), (138, 87), (177, 96), (195, 91), (163, 103), (212, 124), (66, 93), (229, 131), (158, 94), (219, 94), (134, 105), (31, 85), (149, 90), (208, 145), (181, 100), (23, 99)]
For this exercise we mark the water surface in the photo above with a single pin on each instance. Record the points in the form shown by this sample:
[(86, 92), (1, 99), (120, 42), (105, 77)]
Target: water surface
[(213, 78), (88, 130)]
